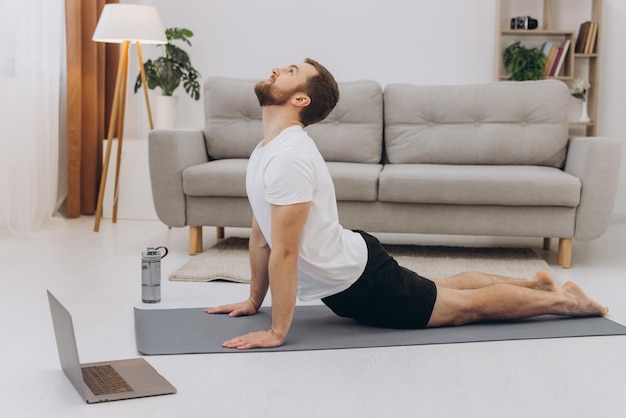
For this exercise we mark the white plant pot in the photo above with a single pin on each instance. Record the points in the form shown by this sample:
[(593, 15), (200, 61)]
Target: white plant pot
[(165, 112)]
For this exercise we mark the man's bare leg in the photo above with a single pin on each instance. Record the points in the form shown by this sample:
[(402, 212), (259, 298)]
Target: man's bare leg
[(477, 280), (505, 302)]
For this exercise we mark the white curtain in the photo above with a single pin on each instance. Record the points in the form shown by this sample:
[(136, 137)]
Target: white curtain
[(32, 43)]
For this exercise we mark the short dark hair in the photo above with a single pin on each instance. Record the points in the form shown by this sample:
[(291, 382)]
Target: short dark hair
[(323, 91)]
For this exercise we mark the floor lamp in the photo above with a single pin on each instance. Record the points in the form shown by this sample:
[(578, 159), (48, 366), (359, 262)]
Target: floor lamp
[(124, 24)]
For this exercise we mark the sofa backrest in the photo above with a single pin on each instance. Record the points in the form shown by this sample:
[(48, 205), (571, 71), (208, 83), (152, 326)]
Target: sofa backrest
[(352, 132), (520, 123), (232, 117)]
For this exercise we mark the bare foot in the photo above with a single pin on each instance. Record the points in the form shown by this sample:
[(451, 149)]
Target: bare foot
[(545, 282), (586, 306)]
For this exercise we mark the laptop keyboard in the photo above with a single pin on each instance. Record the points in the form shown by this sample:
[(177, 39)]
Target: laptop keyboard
[(104, 380)]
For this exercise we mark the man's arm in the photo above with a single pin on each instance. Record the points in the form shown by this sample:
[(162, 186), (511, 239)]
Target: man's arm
[(259, 252), (259, 259), (287, 225)]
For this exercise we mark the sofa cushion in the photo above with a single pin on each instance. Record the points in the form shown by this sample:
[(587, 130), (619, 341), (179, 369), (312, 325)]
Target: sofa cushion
[(216, 178), (227, 177), (353, 181), (353, 132), (478, 185), (520, 123)]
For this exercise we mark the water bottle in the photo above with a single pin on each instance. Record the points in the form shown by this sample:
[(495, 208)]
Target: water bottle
[(151, 274)]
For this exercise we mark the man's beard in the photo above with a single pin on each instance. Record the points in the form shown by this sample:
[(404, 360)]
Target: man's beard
[(269, 95)]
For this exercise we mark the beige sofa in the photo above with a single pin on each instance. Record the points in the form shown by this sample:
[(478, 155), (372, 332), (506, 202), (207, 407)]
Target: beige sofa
[(491, 159)]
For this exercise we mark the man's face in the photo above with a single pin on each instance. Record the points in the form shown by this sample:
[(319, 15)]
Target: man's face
[(283, 84)]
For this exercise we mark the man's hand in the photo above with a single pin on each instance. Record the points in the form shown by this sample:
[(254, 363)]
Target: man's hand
[(261, 339), (236, 309)]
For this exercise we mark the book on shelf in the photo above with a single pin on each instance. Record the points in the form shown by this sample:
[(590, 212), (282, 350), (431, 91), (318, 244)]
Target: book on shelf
[(559, 65), (586, 40), (549, 60), (545, 48), (581, 40), (555, 61), (594, 40), (591, 38)]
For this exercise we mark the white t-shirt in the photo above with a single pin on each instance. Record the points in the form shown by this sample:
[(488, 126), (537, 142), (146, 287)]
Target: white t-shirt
[(290, 170)]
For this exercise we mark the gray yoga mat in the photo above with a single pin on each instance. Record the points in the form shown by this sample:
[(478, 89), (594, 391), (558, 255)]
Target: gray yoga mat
[(190, 330)]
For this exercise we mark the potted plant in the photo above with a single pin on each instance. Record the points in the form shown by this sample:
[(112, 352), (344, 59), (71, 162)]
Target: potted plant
[(167, 72), (523, 63)]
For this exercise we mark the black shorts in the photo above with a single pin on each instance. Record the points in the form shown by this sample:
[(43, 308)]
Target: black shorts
[(386, 295)]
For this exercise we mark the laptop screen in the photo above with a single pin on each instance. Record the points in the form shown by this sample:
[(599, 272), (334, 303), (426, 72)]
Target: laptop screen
[(66, 343)]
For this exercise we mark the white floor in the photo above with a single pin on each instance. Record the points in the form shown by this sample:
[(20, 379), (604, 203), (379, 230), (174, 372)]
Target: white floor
[(97, 277)]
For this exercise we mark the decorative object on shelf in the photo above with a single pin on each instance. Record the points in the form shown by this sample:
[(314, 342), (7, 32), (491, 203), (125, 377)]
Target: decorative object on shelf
[(579, 90), (523, 63), (123, 24), (524, 22), (584, 113)]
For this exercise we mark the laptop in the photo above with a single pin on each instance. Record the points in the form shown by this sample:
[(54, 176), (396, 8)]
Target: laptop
[(107, 380)]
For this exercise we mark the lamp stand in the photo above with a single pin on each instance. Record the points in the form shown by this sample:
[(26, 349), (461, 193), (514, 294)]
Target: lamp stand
[(116, 124)]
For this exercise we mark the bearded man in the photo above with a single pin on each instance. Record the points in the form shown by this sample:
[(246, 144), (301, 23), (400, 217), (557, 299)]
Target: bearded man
[(299, 249)]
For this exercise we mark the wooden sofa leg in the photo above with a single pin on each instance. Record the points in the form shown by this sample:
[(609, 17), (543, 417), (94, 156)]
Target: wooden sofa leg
[(195, 240), (547, 243), (565, 252), (219, 232)]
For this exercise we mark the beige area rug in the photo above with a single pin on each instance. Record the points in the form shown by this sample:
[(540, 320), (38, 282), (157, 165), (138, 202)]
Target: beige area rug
[(228, 260)]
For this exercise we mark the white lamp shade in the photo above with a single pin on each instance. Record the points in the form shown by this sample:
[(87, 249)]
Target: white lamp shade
[(129, 22)]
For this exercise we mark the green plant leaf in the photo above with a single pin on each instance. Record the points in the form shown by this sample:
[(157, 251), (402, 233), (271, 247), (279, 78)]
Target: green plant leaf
[(178, 55), (180, 34), (169, 75)]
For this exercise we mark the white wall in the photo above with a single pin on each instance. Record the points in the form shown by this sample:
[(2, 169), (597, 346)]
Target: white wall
[(390, 41), (612, 105)]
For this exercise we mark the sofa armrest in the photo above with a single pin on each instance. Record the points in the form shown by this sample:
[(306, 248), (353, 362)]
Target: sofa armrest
[(595, 161), (170, 152)]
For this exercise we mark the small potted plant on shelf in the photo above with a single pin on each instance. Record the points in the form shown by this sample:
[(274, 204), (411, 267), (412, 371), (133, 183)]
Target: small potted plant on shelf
[(167, 72), (523, 63)]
